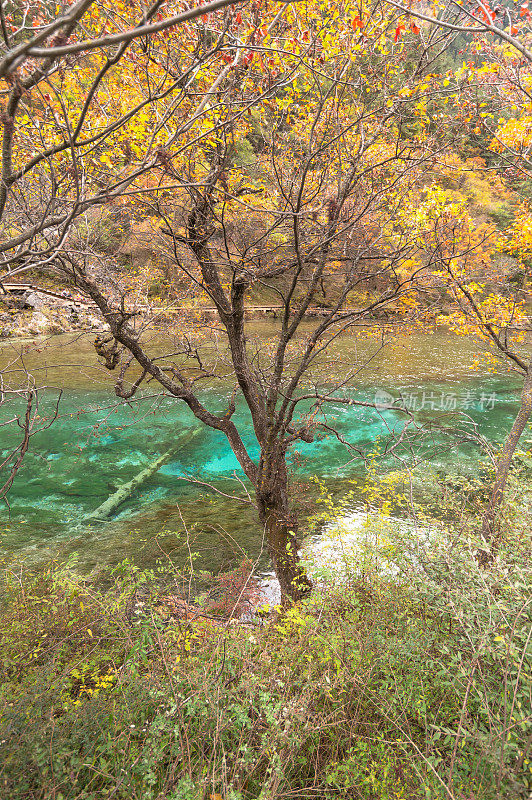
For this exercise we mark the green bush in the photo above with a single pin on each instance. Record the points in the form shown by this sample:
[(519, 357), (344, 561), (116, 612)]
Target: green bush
[(410, 678)]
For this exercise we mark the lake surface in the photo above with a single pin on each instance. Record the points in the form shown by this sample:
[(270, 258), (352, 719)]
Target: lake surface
[(96, 444)]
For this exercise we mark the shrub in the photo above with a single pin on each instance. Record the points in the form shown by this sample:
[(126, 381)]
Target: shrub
[(408, 677)]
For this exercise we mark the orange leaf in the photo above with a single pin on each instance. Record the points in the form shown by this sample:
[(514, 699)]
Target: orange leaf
[(239, 18), (514, 31), (356, 22), (414, 28)]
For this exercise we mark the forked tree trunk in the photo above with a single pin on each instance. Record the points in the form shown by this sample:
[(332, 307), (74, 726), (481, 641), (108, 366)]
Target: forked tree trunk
[(503, 468)]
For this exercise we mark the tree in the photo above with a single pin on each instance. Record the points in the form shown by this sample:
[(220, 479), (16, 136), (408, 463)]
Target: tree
[(55, 63), (498, 318), (493, 94), (279, 151), (321, 196)]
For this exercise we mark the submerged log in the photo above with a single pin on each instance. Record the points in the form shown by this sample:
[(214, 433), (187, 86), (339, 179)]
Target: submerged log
[(125, 491)]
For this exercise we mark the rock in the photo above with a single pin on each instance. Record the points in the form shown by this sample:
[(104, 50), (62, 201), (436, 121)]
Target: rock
[(33, 300), (38, 323)]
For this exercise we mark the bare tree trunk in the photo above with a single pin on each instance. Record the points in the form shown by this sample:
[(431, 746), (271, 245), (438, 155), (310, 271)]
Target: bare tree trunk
[(281, 537), (503, 467), (280, 526)]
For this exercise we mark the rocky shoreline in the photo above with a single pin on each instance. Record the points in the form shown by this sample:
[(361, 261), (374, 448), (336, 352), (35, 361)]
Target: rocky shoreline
[(27, 311), (35, 312)]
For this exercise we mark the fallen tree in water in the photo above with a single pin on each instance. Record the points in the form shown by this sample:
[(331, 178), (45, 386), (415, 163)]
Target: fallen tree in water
[(125, 491)]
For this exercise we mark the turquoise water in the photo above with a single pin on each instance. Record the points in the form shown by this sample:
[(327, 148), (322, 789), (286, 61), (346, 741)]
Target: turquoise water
[(96, 444)]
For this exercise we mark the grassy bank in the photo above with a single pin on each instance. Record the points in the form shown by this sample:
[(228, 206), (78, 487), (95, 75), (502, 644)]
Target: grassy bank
[(409, 678)]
